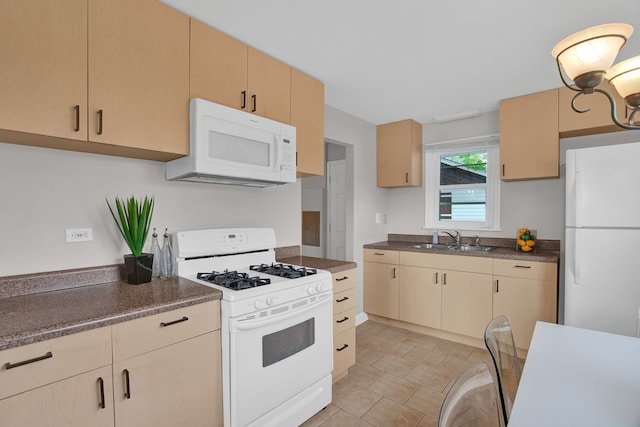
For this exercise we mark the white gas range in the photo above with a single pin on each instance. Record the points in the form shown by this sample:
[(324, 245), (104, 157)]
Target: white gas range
[(276, 325)]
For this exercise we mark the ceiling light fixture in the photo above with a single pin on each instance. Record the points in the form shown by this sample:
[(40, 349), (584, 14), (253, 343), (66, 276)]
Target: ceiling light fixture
[(456, 116), (586, 58)]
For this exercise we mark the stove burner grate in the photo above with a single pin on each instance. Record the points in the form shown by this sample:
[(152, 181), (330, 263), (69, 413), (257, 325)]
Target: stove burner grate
[(233, 280), (284, 270)]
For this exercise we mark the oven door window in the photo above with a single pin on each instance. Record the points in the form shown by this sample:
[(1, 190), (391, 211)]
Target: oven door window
[(287, 342)]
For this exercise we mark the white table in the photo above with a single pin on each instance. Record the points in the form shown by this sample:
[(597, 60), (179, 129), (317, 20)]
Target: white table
[(578, 377)]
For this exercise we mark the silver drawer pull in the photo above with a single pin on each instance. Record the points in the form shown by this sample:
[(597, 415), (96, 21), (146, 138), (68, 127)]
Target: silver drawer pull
[(184, 319), (8, 365)]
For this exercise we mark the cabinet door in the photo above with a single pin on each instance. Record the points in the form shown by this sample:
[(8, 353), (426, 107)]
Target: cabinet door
[(381, 289), (419, 298), (399, 154), (466, 302), (269, 83), (139, 76), (596, 120), (43, 46), (75, 401), (218, 67), (529, 141), (524, 301), (175, 385), (307, 115)]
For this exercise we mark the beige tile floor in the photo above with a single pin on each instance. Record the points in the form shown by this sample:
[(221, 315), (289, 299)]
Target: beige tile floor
[(400, 379)]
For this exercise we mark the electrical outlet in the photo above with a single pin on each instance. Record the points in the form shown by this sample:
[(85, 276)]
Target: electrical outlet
[(378, 218), (73, 235)]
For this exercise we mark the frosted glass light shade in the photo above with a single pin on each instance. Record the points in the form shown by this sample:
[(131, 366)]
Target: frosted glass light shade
[(593, 49), (625, 76)]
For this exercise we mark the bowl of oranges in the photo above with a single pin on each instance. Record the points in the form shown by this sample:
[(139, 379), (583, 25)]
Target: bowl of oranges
[(526, 240)]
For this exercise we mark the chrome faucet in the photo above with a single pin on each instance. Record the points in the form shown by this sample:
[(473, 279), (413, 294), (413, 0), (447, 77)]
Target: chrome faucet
[(456, 237)]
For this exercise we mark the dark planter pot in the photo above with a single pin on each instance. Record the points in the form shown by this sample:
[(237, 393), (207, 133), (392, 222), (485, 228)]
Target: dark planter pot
[(138, 268)]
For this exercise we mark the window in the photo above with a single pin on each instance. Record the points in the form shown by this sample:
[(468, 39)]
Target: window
[(462, 184)]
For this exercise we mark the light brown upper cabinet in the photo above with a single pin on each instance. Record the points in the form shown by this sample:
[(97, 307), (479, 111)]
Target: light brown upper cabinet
[(597, 120), (43, 46), (228, 72), (307, 115), (399, 154), (529, 141), (80, 72), (139, 75)]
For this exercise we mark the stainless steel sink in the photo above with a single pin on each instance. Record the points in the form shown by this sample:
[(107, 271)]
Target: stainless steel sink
[(431, 246), (472, 248)]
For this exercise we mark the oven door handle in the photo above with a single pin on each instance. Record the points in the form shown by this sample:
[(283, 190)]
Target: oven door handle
[(254, 325)]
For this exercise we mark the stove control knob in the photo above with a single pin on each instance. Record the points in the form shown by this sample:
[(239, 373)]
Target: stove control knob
[(258, 304), (269, 301), (311, 290), (319, 287)]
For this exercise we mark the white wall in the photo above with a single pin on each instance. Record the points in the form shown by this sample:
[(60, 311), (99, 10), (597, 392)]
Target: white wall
[(537, 204), (45, 191), (366, 199)]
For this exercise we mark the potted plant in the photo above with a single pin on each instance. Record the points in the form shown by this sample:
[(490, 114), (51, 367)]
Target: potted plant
[(133, 221)]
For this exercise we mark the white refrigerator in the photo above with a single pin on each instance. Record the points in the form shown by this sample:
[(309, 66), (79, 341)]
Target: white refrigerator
[(602, 239)]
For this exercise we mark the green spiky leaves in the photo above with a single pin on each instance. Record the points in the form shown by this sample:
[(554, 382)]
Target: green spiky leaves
[(133, 221)]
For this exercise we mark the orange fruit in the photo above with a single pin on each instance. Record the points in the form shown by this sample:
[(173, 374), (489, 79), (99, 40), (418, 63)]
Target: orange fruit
[(526, 248), (522, 243), (531, 243)]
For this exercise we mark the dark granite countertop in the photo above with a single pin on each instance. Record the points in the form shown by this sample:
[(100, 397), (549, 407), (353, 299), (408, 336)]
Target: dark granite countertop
[(38, 314), (331, 265), (540, 255)]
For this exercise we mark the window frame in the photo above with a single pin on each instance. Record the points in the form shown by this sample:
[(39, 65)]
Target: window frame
[(431, 156)]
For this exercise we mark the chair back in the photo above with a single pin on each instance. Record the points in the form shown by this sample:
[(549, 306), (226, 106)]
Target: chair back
[(472, 400), (498, 338)]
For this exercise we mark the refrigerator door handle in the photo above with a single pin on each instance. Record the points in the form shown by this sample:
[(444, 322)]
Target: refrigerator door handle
[(576, 194), (576, 255)]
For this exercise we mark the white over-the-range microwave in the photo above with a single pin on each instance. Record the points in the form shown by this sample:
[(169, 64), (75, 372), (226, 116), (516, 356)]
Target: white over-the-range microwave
[(229, 146)]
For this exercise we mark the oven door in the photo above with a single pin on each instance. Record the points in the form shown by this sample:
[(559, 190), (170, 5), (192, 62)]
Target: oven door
[(275, 357)]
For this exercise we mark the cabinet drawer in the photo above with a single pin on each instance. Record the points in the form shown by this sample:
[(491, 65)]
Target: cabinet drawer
[(159, 330), (344, 353), (60, 358), (525, 269), (344, 300), (383, 256), (344, 320), (344, 280)]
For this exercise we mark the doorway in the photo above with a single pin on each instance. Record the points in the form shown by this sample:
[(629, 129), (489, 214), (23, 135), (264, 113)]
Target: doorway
[(324, 207)]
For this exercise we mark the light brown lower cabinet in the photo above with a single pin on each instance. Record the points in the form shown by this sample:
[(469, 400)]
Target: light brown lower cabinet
[(459, 294), (381, 283), (75, 401), (344, 322), (145, 372), (525, 292), (173, 385)]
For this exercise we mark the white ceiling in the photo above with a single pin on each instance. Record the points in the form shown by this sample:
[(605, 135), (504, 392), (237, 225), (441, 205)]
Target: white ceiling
[(391, 60)]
